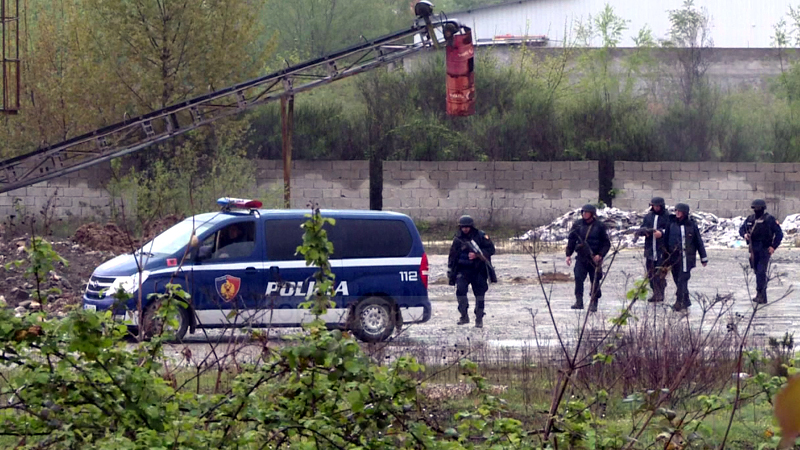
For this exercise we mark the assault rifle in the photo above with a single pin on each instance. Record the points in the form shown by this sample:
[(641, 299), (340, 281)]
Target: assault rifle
[(477, 250), (582, 248)]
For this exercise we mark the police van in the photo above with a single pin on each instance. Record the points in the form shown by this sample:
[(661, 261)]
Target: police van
[(243, 270)]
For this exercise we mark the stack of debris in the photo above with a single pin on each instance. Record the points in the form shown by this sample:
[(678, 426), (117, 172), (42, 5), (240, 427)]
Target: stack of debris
[(622, 226)]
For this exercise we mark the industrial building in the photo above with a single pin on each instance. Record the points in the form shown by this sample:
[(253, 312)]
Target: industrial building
[(733, 23)]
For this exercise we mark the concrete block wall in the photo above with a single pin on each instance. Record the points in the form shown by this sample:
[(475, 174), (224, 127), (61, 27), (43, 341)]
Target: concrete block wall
[(80, 194), (492, 192), (724, 189), (332, 184)]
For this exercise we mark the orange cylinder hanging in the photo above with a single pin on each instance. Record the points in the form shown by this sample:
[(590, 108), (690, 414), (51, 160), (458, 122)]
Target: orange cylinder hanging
[(461, 75)]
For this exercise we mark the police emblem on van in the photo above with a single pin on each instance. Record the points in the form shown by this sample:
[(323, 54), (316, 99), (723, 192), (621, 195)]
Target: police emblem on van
[(228, 287)]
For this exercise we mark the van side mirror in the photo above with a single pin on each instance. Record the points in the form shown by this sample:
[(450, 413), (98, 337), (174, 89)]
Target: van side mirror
[(194, 241)]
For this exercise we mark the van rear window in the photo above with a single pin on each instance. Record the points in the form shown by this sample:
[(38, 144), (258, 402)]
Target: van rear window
[(352, 238)]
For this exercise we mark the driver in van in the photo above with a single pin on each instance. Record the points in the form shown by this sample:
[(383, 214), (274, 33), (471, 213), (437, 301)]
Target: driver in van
[(232, 235)]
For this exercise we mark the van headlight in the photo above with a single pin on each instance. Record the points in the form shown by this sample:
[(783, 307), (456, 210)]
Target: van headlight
[(128, 284)]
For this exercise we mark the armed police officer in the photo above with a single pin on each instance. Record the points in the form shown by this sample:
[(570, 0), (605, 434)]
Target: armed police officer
[(469, 263), (589, 238), (763, 233), (654, 228), (683, 244)]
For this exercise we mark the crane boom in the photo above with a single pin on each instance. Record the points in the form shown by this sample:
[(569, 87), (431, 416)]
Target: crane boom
[(134, 134)]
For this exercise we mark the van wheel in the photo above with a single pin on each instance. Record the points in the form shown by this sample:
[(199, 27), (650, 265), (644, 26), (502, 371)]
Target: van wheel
[(374, 319), (154, 325)]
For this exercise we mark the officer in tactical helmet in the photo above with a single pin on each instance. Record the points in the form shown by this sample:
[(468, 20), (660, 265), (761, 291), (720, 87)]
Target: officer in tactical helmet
[(589, 238), (763, 234), (654, 228), (465, 267), (683, 244)]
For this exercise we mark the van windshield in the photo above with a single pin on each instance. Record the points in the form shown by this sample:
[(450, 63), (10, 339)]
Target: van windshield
[(175, 238)]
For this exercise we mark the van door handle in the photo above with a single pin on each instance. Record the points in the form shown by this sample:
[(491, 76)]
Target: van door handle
[(250, 269)]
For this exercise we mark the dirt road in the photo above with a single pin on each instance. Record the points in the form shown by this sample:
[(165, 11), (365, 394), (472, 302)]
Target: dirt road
[(511, 302)]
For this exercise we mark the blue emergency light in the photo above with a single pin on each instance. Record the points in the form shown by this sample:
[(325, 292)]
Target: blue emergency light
[(243, 203)]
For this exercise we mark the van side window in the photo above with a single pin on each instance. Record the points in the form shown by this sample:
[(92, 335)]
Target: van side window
[(360, 238), (283, 238), (235, 241), (351, 238)]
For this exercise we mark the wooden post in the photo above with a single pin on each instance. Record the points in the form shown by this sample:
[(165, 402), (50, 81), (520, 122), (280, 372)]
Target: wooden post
[(287, 128)]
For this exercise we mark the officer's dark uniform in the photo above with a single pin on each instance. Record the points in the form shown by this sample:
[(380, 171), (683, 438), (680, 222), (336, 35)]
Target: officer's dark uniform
[(683, 243), (655, 249), (463, 272), (764, 233), (593, 234)]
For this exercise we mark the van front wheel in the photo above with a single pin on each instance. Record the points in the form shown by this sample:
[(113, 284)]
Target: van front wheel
[(154, 323), (374, 319)]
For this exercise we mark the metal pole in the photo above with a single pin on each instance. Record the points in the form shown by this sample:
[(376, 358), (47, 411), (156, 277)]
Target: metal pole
[(287, 128), (3, 37)]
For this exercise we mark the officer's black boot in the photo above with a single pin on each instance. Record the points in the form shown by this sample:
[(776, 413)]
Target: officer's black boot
[(479, 311), (463, 307), (578, 302)]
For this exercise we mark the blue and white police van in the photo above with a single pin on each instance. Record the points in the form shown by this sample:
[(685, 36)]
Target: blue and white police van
[(242, 270)]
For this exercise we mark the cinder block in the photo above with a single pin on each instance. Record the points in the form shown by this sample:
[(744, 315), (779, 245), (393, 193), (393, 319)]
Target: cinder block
[(559, 166), (571, 175), (776, 176), (579, 165), (542, 185), (457, 175), (716, 194), (643, 194), (765, 187), (739, 195), (391, 202), (92, 193), (784, 167), (736, 176), (310, 194), (532, 175), (561, 184), (333, 193), (765, 167), (322, 184), (409, 165), (649, 166), (745, 186), (756, 176), (670, 166), (552, 194), (690, 166), (552, 175), (792, 176), (632, 185), (689, 185), (728, 185), (521, 185), (680, 176), (698, 194), (504, 184), (523, 165), (533, 195), (503, 165), (96, 202), (344, 203), (709, 166), (746, 167), (421, 193), (340, 165), (308, 175), (512, 175), (359, 203), (727, 167), (710, 185), (447, 165), (468, 165)]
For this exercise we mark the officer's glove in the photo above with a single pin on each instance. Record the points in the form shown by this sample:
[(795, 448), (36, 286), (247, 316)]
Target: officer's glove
[(451, 278)]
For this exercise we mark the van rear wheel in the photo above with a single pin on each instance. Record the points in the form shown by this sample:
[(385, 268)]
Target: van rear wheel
[(374, 319)]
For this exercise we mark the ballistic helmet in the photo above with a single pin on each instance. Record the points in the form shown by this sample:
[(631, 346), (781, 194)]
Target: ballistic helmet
[(466, 221), (759, 203), (683, 207), (657, 201), (589, 208)]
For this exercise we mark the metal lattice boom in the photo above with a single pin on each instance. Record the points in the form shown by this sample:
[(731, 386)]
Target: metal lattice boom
[(135, 134)]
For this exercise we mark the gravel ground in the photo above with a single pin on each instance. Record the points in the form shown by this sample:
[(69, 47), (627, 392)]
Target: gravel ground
[(511, 302)]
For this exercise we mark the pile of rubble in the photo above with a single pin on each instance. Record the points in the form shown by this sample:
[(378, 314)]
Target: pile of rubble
[(622, 226)]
